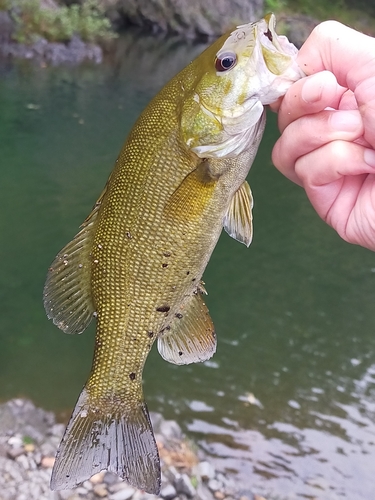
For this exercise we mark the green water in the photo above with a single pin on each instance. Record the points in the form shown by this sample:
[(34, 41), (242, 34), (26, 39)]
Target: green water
[(288, 401)]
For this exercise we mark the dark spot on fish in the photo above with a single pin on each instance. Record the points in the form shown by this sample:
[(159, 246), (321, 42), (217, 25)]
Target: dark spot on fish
[(193, 279), (164, 265), (180, 353), (132, 376), (167, 254), (150, 334), (134, 339), (128, 235), (269, 35), (165, 328), (179, 315), (188, 272), (163, 309)]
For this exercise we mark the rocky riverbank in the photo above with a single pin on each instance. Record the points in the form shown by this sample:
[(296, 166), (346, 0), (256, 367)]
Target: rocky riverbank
[(29, 438)]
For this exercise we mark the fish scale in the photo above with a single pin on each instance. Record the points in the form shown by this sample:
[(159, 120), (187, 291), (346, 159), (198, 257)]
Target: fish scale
[(137, 262)]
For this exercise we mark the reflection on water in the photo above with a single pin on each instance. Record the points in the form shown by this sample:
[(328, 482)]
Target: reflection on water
[(288, 401)]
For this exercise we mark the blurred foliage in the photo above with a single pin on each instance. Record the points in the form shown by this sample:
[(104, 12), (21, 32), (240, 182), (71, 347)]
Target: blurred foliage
[(359, 14), (58, 23)]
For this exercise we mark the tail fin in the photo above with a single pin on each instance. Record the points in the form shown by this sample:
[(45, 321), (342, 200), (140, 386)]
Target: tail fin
[(119, 442)]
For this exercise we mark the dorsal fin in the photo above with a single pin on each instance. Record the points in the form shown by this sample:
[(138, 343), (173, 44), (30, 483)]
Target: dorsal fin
[(67, 291), (191, 336), (238, 221)]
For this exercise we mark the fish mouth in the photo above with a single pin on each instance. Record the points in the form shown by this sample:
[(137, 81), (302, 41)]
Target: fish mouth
[(270, 33), (271, 39)]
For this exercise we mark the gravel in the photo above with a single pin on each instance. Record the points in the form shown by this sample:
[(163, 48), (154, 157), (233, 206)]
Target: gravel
[(29, 438)]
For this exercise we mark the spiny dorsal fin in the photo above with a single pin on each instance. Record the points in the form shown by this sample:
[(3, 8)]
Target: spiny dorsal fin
[(238, 221), (191, 337), (67, 292)]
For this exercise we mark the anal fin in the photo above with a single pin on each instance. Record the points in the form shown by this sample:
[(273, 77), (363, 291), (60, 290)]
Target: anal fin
[(191, 336), (238, 221)]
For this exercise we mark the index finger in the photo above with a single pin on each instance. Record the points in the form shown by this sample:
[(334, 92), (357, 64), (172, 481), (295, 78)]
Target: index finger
[(349, 55)]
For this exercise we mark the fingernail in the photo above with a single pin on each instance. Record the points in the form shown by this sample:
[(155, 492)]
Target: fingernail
[(369, 157), (312, 90), (346, 121)]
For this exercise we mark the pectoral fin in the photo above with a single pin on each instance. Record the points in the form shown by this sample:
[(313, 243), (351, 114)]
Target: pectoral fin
[(193, 194), (191, 337), (67, 291), (238, 221)]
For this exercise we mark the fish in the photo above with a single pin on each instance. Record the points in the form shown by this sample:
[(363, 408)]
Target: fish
[(137, 262)]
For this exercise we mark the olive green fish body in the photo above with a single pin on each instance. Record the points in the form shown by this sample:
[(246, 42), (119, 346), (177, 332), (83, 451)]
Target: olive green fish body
[(138, 260)]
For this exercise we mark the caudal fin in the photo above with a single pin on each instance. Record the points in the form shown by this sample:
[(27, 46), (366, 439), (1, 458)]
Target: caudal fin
[(119, 442)]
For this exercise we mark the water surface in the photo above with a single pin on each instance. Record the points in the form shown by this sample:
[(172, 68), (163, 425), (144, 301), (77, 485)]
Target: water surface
[(288, 401)]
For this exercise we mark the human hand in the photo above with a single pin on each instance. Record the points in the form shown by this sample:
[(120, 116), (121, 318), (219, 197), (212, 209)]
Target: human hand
[(327, 122)]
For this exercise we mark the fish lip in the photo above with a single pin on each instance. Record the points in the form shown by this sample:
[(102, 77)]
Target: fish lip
[(270, 20)]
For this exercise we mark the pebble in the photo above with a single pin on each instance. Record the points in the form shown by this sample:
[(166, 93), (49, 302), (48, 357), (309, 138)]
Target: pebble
[(214, 485), (219, 495), (97, 478), (204, 470), (183, 485), (15, 452), (123, 494), (47, 462), (100, 490), (25, 469), (168, 492)]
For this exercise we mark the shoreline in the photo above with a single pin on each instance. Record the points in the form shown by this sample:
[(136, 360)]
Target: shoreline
[(29, 437)]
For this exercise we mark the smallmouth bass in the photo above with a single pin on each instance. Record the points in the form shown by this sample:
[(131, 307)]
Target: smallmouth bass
[(137, 262)]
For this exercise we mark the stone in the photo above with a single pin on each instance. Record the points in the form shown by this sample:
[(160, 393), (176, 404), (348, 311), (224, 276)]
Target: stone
[(13, 453), (183, 485), (172, 474), (22, 460), (204, 470), (170, 429), (123, 494), (97, 478), (110, 478), (65, 495), (57, 430), (203, 493), (156, 420), (100, 490), (190, 18), (87, 485), (47, 462), (214, 485), (168, 492), (220, 495), (81, 491), (15, 442)]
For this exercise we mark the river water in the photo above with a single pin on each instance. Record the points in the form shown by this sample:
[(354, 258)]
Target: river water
[(288, 402)]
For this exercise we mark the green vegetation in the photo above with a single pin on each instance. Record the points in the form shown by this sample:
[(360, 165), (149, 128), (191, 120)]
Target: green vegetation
[(359, 14), (27, 440), (58, 23)]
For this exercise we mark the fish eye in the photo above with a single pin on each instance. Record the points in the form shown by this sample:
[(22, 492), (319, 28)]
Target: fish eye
[(225, 61), (269, 35)]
